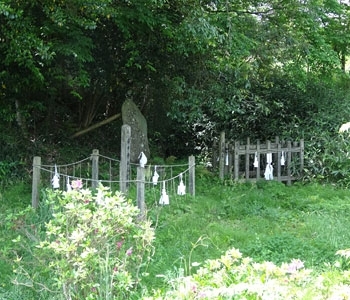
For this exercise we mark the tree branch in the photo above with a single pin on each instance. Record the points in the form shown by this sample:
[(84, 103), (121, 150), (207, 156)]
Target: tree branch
[(92, 127)]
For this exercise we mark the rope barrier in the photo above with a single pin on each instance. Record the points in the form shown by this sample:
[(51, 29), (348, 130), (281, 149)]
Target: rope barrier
[(67, 165), (109, 158), (44, 168), (92, 171)]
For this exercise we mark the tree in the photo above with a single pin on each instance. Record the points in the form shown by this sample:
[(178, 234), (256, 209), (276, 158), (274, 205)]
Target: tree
[(84, 57), (260, 47), (69, 65)]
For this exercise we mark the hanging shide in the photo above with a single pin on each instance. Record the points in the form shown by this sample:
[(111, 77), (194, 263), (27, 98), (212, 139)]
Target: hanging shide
[(278, 160)]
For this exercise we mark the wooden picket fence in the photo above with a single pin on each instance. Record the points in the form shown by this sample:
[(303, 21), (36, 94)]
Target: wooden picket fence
[(248, 161)]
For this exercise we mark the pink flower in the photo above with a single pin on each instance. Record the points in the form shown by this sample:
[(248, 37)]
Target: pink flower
[(77, 184), (202, 295), (295, 265), (119, 244), (129, 251)]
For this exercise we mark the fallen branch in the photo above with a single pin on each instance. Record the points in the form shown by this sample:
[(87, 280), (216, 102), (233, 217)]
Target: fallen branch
[(97, 125)]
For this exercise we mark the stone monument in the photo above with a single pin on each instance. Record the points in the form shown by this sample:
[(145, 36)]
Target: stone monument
[(133, 117)]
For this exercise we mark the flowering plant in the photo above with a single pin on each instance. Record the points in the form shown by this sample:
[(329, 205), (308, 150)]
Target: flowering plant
[(77, 184), (233, 276), (95, 245)]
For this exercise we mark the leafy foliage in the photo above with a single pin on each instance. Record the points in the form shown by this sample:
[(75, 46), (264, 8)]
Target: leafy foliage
[(92, 247), (233, 276), (245, 67)]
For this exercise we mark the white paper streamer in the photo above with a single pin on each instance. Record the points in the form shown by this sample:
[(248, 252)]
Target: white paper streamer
[(100, 197), (143, 159), (269, 168), (256, 162), (155, 176), (269, 172), (269, 158), (181, 189), (283, 159), (164, 198), (69, 187), (56, 179)]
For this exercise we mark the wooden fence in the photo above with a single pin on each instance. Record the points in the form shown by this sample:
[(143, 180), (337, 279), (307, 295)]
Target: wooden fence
[(101, 169), (250, 161)]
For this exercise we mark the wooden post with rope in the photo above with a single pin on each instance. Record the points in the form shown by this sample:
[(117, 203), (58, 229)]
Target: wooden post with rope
[(94, 165), (192, 175), (141, 192), (125, 158), (36, 181)]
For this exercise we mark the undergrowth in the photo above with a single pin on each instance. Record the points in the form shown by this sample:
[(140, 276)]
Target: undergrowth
[(266, 221)]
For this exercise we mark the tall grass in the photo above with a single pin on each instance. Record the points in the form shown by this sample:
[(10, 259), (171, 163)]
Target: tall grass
[(267, 221), (12, 201)]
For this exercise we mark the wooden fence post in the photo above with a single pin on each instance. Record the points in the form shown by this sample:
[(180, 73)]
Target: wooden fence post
[(140, 193), (36, 181), (215, 157), (301, 156), (247, 165), (230, 158), (94, 171), (124, 158), (279, 153), (222, 156), (258, 169), (192, 175), (236, 161), (289, 162), (227, 160)]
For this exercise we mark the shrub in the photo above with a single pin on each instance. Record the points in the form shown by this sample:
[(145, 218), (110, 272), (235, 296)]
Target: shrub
[(233, 276), (11, 172), (94, 246), (327, 159)]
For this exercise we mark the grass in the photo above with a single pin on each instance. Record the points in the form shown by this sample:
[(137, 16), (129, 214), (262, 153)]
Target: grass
[(12, 200), (267, 221)]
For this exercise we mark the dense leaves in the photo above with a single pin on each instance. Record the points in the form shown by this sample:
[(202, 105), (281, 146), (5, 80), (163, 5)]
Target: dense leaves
[(251, 68)]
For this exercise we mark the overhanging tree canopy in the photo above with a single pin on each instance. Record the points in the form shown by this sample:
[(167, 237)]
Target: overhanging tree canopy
[(204, 62)]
